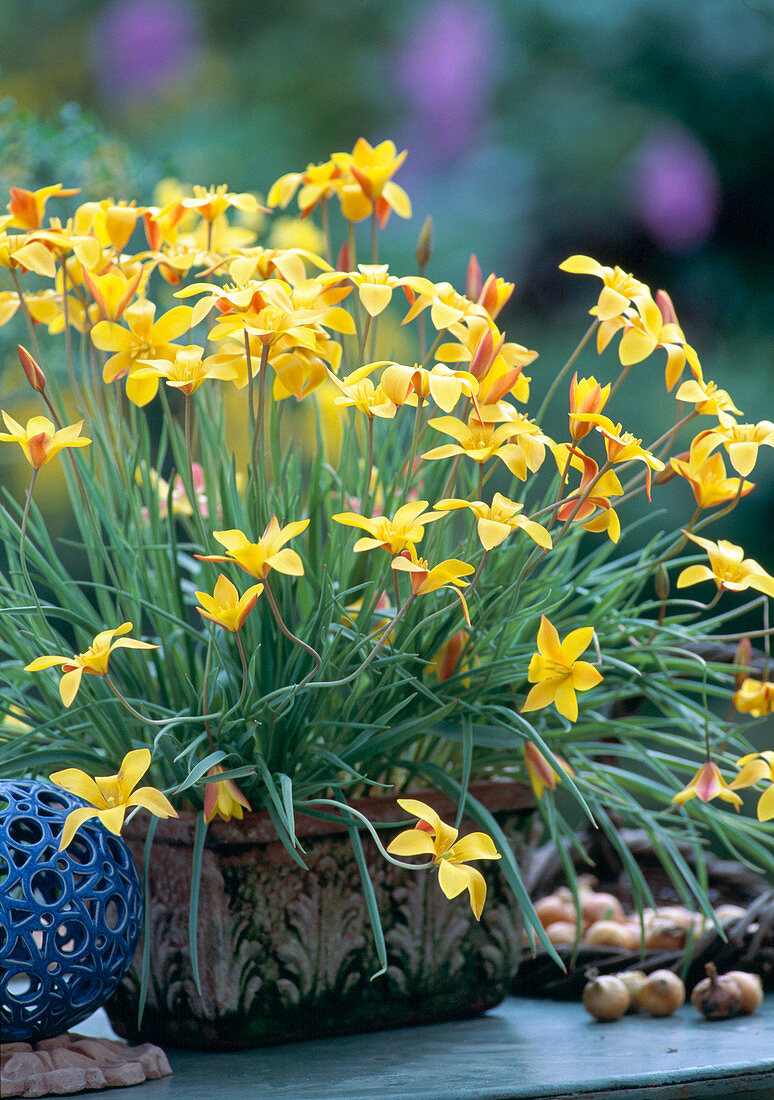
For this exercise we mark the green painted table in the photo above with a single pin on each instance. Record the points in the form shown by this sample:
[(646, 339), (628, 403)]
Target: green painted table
[(523, 1049)]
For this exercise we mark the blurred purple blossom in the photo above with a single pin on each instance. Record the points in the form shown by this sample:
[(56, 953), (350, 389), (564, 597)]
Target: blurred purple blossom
[(675, 190), (140, 47), (445, 70)]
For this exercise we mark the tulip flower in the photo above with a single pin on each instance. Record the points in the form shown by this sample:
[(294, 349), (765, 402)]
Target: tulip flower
[(40, 440), (223, 798), (226, 607), (541, 773), (586, 396), (707, 478), (728, 568), (210, 202), (370, 168), (755, 697), (318, 183), (143, 338), (741, 441), (27, 208), (447, 574), (395, 535), (496, 521), (756, 768), (94, 661), (707, 784), (187, 371), (259, 558), (431, 836), (620, 446), (481, 441), (409, 385), (556, 671), (708, 398), (619, 288), (111, 795)]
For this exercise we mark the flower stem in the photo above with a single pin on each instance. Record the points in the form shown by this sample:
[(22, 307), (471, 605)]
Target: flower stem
[(286, 631), (567, 366), (242, 658), (23, 544), (356, 813)]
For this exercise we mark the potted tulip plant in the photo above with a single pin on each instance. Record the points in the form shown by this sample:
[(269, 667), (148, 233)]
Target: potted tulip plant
[(326, 560)]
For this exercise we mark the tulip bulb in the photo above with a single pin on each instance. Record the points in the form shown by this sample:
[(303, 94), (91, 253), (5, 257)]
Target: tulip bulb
[(662, 993), (717, 997), (751, 988), (606, 997)]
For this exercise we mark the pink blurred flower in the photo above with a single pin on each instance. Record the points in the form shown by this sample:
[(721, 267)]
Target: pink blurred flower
[(140, 47), (446, 68), (675, 190)]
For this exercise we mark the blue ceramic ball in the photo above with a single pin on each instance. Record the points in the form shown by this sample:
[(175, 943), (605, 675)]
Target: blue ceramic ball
[(69, 921)]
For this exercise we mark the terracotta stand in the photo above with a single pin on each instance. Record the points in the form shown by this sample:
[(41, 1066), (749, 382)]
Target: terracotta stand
[(71, 1063)]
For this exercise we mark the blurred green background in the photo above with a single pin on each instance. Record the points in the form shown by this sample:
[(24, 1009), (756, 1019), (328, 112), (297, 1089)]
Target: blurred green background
[(640, 133)]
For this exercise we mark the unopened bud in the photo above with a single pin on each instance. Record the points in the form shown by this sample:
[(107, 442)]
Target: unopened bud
[(425, 244), (344, 258), (664, 303), (661, 477), (35, 375), (474, 280), (742, 661), (661, 582)]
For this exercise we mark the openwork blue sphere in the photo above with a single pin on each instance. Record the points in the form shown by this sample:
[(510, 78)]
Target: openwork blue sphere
[(69, 921)]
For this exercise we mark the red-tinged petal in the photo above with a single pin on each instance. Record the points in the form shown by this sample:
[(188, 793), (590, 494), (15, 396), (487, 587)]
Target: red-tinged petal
[(709, 782), (421, 810)]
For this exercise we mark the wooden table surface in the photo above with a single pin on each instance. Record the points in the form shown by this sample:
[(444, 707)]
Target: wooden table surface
[(523, 1049)]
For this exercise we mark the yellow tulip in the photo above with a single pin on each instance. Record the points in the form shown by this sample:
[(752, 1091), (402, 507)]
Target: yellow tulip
[(433, 837), (111, 795)]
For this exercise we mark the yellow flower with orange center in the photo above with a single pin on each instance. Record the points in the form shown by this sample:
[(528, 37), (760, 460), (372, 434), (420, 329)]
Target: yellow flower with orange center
[(41, 440), (396, 534), (433, 837), (556, 671), (225, 606), (728, 568), (94, 661), (110, 795), (259, 558)]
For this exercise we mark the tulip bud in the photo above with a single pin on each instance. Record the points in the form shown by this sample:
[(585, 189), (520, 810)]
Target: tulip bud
[(449, 656), (344, 259), (741, 662), (664, 303), (661, 582), (661, 477), (425, 244), (35, 375), (475, 280)]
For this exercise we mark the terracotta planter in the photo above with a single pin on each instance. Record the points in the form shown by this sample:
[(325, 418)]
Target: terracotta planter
[(286, 954)]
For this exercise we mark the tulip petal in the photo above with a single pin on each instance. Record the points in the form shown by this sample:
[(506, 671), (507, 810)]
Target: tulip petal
[(155, 801), (766, 805), (475, 846), (113, 818), (73, 822), (411, 842), (79, 783)]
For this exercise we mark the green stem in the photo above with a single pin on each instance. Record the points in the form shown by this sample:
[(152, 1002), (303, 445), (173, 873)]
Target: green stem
[(372, 831), (567, 366), (244, 669), (286, 631), (27, 315), (23, 544)]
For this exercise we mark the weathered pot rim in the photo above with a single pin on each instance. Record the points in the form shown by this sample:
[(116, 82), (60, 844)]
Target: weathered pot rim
[(498, 795)]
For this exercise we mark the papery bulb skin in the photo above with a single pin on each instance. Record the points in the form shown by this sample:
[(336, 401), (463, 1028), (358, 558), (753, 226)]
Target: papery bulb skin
[(605, 997), (717, 997)]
